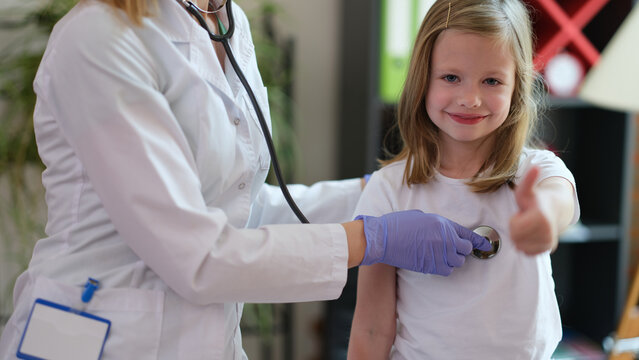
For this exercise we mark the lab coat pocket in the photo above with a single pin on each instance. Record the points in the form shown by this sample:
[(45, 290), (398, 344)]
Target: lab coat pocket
[(135, 315)]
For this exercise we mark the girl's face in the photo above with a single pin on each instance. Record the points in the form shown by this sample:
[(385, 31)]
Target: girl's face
[(471, 83)]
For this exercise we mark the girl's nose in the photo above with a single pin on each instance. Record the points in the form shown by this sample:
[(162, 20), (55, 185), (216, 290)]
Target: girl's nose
[(469, 97)]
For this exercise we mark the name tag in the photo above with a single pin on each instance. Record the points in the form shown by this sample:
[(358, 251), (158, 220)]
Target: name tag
[(55, 331)]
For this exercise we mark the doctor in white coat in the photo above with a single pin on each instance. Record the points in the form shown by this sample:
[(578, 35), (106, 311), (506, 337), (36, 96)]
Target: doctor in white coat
[(155, 169)]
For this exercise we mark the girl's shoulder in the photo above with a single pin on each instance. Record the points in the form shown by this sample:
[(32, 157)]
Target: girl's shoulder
[(389, 177), (392, 171), (532, 156), (547, 161)]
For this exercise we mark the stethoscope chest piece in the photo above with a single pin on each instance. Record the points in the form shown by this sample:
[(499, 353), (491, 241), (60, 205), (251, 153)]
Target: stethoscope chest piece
[(492, 236)]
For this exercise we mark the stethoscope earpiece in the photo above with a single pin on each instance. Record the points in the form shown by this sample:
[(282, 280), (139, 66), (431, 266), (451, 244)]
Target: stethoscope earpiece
[(492, 236)]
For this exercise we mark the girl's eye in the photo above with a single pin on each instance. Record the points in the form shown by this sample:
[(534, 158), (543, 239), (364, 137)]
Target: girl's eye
[(450, 78), (492, 81)]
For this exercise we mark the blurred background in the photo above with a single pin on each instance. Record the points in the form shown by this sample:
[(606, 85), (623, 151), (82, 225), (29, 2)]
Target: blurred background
[(334, 70)]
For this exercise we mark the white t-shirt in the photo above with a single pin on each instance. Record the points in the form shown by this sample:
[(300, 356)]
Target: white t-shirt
[(500, 308)]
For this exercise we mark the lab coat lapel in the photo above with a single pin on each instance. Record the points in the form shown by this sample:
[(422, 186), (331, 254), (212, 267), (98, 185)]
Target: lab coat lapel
[(243, 53), (244, 50), (187, 33)]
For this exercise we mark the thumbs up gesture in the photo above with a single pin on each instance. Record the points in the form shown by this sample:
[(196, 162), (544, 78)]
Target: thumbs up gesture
[(531, 228)]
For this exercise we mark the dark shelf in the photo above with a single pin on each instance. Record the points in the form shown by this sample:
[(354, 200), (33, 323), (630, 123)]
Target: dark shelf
[(580, 233)]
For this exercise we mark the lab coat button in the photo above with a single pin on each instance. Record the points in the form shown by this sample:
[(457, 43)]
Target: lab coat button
[(241, 186), (236, 121)]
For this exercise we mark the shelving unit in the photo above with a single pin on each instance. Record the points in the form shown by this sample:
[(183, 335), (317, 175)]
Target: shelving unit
[(590, 265)]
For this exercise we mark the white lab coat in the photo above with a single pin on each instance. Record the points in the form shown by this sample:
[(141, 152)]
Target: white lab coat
[(155, 171)]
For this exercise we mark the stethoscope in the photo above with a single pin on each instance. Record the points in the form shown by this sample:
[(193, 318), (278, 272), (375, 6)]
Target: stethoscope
[(223, 38), (225, 34), (493, 238)]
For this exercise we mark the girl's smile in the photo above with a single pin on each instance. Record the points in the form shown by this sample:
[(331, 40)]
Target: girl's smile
[(466, 119)]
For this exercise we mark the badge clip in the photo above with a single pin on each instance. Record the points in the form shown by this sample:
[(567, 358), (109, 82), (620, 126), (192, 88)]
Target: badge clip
[(89, 288)]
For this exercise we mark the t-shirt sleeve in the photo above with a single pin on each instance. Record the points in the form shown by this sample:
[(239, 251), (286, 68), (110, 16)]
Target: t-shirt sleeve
[(550, 165), (376, 199)]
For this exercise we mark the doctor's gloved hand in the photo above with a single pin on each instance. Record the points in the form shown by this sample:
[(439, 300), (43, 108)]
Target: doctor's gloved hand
[(417, 241)]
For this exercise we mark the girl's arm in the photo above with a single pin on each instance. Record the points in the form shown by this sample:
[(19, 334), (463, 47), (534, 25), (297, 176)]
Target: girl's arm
[(545, 210), (373, 329)]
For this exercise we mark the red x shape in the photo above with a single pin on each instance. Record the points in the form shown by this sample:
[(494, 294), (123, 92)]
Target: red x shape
[(569, 30)]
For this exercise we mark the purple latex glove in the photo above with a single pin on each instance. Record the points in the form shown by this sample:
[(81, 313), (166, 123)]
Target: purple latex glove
[(414, 240)]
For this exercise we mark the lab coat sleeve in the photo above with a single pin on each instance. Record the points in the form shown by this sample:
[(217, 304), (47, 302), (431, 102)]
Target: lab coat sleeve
[(104, 90), (323, 202)]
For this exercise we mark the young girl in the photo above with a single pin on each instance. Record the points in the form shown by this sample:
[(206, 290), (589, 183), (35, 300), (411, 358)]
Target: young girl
[(466, 116)]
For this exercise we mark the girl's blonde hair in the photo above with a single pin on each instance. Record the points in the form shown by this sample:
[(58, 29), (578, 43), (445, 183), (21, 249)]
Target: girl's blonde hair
[(504, 20)]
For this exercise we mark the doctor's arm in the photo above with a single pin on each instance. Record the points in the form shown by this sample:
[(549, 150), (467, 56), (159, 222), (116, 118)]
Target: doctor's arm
[(545, 210), (323, 202), (356, 240)]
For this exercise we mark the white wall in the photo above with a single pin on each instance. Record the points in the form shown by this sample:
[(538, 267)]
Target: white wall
[(316, 26)]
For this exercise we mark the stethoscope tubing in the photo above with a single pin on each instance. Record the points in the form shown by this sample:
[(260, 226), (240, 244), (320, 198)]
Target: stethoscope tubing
[(224, 40)]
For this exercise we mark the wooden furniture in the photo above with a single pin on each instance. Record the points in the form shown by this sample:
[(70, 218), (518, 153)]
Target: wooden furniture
[(629, 324)]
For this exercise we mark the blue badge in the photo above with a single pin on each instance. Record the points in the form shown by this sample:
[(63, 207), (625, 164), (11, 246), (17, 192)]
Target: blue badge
[(55, 331)]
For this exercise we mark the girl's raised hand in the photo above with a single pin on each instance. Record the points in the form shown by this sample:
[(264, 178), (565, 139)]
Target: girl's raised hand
[(530, 228)]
